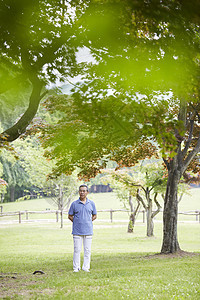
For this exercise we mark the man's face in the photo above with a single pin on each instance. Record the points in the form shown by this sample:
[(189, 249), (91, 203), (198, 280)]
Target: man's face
[(83, 193)]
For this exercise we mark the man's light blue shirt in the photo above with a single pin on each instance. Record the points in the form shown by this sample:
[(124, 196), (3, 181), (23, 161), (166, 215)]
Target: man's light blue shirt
[(82, 213)]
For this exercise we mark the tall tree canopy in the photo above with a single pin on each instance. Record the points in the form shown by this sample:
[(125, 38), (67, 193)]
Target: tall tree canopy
[(142, 89)]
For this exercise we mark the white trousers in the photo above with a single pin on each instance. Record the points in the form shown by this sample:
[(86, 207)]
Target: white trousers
[(86, 240)]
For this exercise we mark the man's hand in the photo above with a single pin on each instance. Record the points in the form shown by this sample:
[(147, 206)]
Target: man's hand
[(94, 217), (71, 217)]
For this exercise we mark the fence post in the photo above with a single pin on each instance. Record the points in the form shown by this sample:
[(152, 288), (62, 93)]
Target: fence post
[(197, 213), (111, 215), (20, 217), (26, 215), (1, 209)]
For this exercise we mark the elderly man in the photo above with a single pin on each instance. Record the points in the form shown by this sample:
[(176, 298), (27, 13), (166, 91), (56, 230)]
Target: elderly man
[(82, 213)]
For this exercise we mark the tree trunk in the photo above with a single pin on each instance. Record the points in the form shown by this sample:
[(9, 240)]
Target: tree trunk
[(150, 224), (132, 216), (12, 193), (149, 210), (2, 197), (61, 219), (131, 223), (61, 202), (134, 212), (176, 169), (170, 213), (19, 128), (132, 219)]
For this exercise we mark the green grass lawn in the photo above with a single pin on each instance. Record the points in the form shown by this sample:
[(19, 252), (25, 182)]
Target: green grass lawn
[(120, 268)]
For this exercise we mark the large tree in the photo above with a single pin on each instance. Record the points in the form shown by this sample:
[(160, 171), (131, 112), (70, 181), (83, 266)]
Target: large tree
[(142, 90), (37, 47)]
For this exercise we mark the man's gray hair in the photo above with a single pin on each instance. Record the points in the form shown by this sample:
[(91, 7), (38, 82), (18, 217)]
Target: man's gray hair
[(83, 185)]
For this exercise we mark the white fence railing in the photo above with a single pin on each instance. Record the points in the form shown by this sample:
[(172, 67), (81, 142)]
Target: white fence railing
[(58, 213)]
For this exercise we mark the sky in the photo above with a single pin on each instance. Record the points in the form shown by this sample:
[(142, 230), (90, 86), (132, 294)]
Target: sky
[(83, 55)]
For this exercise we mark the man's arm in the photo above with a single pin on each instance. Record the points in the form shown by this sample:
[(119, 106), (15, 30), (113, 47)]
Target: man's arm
[(94, 217), (71, 217)]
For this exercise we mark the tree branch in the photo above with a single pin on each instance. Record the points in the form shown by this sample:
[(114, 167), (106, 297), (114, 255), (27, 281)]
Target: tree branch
[(156, 182), (158, 206), (130, 202), (191, 155), (196, 111), (166, 163), (19, 128), (137, 208), (180, 198), (131, 183), (189, 138), (139, 198)]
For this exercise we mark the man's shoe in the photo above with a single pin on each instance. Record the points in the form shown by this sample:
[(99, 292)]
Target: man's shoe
[(86, 270), (76, 271)]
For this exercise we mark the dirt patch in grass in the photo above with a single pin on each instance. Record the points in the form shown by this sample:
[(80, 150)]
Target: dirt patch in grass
[(178, 254), (13, 284)]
